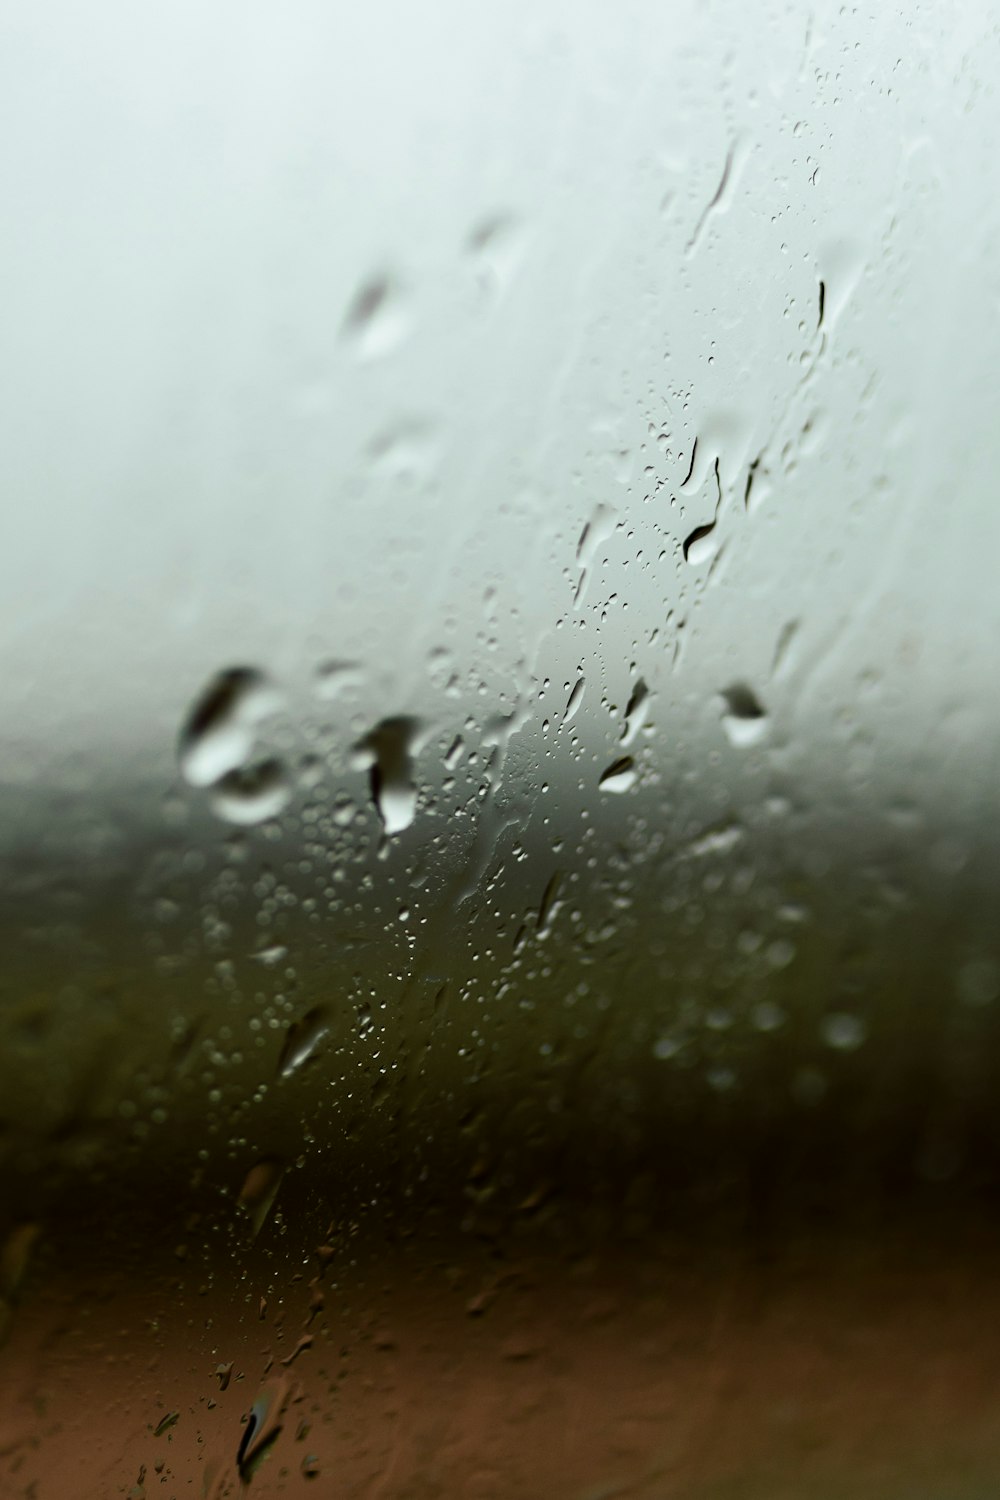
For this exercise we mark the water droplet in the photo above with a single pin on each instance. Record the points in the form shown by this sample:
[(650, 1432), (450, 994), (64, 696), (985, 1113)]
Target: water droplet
[(759, 486), (745, 719), (597, 530), (263, 1425), (253, 793), (619, 776), (405, 453), (780, 953), (497, 248), (717, 841), (304, 1342), (549, 904), (454, 753), (701, 544), (259, 1190), (335, 677), (841, 262), (377, 320), (272, 956), (636, 712), (978, 981), (666, 1047), (15, 1255), (388, 752), (302, 1040), (842, 1031), (783, 650), (808, 1087), (721, 1079), (768, 1016), (219, 732), (731, 169), (574, 700)]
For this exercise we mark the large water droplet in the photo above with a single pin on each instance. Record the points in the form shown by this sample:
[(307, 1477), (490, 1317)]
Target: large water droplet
[(619, 776), (454, 752), (271, 956), (263, 1426), (784, 649), (405, 453), (701, 544), (597, 530), (744, 718), (636, 712), (219, 732), (720, 840), (15, 1254), (303, 1039), (732, 167), (252, 793), (549, 904), (496, 247), (388, 752), (259, 1190), (841, 263), (334, 677), (377, 321), (574, 700)]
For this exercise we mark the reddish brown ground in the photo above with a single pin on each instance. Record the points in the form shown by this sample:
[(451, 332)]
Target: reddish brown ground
[(856, 1367)]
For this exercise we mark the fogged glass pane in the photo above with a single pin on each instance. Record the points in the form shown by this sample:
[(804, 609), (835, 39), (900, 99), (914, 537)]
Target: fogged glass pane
[(499, 634)]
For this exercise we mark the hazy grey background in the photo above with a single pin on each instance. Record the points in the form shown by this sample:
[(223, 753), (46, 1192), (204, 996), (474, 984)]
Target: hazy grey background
[(380, 337)]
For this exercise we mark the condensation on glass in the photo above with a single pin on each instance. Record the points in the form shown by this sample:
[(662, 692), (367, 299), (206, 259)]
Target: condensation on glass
[(499, 634)]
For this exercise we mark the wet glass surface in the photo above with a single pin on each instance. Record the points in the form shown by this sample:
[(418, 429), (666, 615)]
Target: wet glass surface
[(499, 761)]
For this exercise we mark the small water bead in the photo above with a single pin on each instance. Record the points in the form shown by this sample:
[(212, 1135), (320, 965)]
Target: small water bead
[(842, 1031)]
